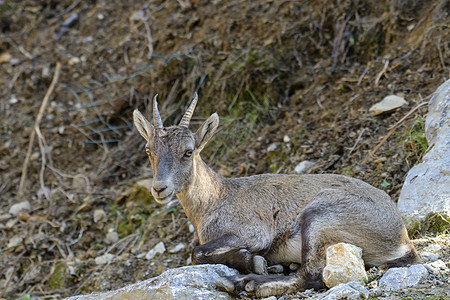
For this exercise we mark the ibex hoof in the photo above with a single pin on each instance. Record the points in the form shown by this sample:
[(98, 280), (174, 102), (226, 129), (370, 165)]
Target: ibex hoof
[(275, 269), (258, 285), (250, 286), (225, 284), (260, 265)]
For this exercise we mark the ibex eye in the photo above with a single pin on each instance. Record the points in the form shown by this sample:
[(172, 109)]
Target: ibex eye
[(147, 150), (188, 153)]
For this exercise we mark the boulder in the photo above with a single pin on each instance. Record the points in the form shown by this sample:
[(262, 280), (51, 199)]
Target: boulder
[(191, 282), (426, 187), (344, 264), (399, 278)]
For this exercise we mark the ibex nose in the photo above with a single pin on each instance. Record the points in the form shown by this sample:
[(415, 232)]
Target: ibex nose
[(159, 187)]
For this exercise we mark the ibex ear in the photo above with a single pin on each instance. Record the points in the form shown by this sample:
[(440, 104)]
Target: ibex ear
[(206, 131), (142, 125)]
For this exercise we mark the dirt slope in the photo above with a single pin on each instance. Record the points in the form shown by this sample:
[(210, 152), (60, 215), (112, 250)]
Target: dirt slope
[(291, 81)]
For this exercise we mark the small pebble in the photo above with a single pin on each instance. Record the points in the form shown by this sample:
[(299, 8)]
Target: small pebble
[(432, 248), (99, 215), (303, 166), (439, 264), (272, 147), (18, 207), (428, 256), (191, 227), (14, 241), (104, 259), (158, 249), (177, 248), (111, 237)]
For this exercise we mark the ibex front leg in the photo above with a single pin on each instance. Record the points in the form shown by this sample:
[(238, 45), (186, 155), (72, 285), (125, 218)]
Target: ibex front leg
[(229, 250)]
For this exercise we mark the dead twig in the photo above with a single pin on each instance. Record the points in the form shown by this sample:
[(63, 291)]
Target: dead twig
[(392, 130), (357, 141), (363, 74), (383, 72), (44, 189), (9, 276), (408, 114), (36, 124)]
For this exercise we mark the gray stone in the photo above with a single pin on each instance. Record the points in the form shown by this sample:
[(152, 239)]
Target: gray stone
[(158, 249), (351, 291), (428, 256), (426, 187), (111, 237), (303, 166), (191, 282), (439, 265), (388, 103), (399, 278), (104, 259), (177, 248), (15, 209), (433, 247)]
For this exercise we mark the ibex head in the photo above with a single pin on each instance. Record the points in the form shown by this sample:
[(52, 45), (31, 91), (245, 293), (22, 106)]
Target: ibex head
[(172, 150)]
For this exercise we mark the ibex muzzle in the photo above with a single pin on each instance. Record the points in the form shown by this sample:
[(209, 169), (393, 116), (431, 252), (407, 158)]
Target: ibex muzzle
[(248, 222)]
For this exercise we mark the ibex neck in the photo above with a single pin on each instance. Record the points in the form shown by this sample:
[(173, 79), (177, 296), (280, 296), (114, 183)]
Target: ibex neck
[(205, 189)]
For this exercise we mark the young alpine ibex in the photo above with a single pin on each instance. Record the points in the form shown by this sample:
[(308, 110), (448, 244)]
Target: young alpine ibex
[(281, 219)]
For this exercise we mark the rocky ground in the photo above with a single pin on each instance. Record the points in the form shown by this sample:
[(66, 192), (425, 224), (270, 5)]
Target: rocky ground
[(291, 81)]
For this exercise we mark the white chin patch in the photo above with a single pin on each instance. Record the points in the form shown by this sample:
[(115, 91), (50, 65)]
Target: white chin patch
[(164, 200)]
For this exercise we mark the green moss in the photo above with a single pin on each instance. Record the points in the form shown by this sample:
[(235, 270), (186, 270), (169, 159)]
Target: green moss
[(416, 143), (433, 224), (57, 279)]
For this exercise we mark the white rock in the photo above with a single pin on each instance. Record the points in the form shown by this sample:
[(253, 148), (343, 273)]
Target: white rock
[(439, 264), (428, 256), (433, 248), (303, 166), (73, 61), (344, 264), (192, 282), (158, 249), (286, 139), (351, 291), (111, 237), (11, 223), (191, 227), (15, 209), (99, 215), (177, 248), (14, 241), (399, 278), (272, 147), (104, 259), (426, 187), (388, 103), (137, 16)]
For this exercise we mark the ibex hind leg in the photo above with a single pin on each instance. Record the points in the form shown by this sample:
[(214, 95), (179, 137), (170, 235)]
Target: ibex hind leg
[(336, 216)]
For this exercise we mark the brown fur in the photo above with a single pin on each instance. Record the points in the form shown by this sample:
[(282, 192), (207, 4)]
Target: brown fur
[(283, 218)]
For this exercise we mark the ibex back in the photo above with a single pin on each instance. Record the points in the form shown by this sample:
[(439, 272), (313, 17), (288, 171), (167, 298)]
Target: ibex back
[(279, 219)]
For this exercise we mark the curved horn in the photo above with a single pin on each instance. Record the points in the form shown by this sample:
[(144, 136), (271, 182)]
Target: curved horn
[(188, 114), (157, 122)]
